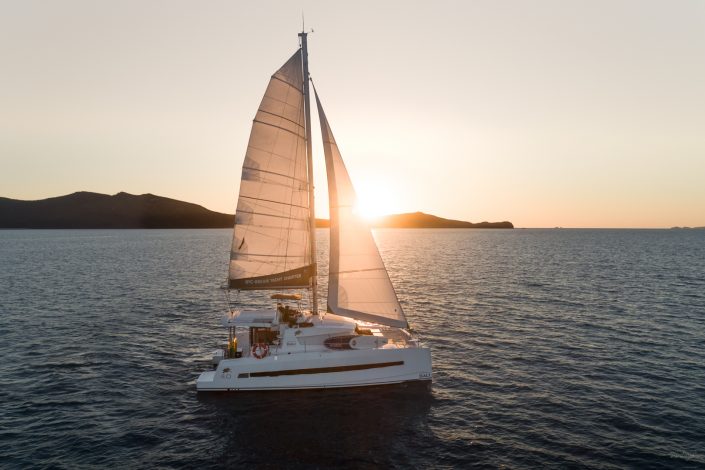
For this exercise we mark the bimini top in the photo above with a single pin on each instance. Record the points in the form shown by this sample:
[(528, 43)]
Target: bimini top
[(286, 296), (249, 318)]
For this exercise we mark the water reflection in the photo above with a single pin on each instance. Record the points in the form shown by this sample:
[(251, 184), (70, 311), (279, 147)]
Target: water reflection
[(367, 426)]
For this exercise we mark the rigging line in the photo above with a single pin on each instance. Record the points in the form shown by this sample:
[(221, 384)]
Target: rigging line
[(270, 153), (263, 180), (263, 234), (266, 210), (271, 215), (269, 148), (273, 202), (273, 173), (279, 116), (283, 81), (267, 214), (277, 127), (257, 257), (276, 100), (269, 207)]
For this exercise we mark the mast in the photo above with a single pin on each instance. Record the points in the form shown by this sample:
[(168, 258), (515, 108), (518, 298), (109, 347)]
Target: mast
[(309, 156)]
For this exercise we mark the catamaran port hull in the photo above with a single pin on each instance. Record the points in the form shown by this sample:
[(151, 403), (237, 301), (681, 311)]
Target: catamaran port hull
[(324, 369)]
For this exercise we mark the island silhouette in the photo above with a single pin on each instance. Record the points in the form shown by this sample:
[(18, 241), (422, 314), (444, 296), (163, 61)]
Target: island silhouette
[(83, 210)]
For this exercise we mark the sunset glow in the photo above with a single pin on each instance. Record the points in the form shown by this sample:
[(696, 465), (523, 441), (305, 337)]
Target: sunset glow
[(545, 114), (375, 199)]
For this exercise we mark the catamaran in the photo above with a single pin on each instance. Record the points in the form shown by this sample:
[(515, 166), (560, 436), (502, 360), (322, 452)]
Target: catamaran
[(363, 337)]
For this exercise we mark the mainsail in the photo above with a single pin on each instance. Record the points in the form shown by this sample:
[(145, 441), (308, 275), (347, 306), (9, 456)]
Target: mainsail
[(358, 284), (271, 244)]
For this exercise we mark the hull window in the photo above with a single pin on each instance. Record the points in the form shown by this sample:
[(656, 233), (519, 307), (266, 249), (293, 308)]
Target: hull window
[(323, 370)]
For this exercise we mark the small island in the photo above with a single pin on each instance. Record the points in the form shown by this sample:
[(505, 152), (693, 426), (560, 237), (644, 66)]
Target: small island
[(422, 220), (88, 210)]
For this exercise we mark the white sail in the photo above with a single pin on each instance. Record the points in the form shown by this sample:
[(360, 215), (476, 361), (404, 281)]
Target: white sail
[(271, 245), (358, 284)]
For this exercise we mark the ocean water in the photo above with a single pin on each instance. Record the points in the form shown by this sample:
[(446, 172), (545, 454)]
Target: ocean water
[(551, 349)]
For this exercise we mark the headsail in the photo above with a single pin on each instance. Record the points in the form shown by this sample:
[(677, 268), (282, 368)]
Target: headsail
[(358, 284), (271, 245)]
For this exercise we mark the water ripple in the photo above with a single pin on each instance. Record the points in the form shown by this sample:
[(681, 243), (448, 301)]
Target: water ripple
[(551, 349)]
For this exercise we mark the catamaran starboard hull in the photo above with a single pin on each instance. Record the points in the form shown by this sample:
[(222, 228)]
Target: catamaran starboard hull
[(334, 369)]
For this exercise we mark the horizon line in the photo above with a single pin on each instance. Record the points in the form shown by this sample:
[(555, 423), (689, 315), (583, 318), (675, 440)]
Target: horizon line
[(375, 218)]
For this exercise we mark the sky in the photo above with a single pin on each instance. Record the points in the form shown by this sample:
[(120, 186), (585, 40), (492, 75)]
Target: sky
[(544, 113)]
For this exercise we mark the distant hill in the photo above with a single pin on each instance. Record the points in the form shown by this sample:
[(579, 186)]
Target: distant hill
[(123, 210), (421, 220)]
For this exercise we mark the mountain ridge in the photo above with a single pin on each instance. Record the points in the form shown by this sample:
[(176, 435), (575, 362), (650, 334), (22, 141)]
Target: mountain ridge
[(86, 210)]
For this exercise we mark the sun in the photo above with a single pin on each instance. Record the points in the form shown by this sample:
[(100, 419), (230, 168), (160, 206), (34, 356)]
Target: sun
[(375, 199)]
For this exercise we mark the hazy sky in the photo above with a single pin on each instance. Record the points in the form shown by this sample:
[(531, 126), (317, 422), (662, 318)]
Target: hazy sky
[(545, 113)]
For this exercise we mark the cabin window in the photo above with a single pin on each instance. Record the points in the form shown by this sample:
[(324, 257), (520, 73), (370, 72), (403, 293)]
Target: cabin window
[(325, 370), (262, 335)]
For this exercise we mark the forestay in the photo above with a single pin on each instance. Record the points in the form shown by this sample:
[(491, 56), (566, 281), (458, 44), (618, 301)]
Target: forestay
[(358, 284), (271, 246)]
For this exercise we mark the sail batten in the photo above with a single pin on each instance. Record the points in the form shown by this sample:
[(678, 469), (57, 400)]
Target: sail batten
[(358, 284), (271, 238), (273, 202)]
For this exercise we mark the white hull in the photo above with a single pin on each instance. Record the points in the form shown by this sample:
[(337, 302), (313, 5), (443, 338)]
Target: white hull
[(319, 369)]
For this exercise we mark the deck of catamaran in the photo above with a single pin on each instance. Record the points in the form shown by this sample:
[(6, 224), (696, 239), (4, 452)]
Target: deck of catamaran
[(286, 348)]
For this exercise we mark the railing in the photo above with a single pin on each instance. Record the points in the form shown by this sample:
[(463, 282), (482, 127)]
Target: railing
[(400, 338)]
